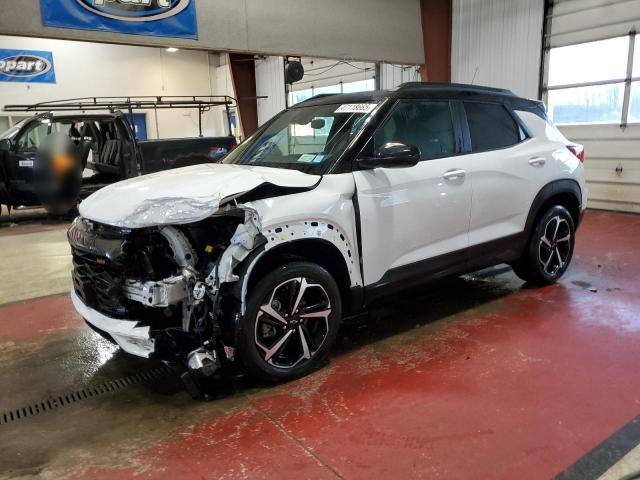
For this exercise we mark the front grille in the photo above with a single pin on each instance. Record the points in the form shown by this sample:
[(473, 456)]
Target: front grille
[(104, 257), (98, 282)]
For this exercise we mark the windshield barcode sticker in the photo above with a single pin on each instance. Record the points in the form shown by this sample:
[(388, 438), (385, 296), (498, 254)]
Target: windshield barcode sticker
[(356, 108)]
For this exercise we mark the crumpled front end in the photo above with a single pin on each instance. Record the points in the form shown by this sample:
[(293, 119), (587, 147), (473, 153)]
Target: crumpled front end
[(162, 291)]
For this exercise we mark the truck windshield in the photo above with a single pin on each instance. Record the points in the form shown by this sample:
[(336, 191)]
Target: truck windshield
[(9, 134), (303, 138)]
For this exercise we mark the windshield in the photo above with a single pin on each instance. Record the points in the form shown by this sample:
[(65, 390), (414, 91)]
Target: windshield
[(303, 138), (12, 131)]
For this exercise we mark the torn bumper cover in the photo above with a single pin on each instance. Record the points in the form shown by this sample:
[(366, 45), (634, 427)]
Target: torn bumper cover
[(131, 337)]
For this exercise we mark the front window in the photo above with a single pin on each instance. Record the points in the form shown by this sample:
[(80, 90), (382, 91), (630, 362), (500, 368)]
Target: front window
[(427, 125), (304, 138), (31, 139)]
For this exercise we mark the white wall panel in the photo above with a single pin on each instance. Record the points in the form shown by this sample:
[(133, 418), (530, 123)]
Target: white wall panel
[(608, 147), (498, 43), (92, 69), (270, 83), (393, 75)]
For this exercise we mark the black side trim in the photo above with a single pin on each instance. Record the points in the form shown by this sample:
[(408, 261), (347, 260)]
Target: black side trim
[(418, 273), (502, 250), (358, 220), (356, 306), (605, 455)]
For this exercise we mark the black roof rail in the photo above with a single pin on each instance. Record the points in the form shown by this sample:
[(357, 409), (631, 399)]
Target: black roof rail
[(454, 86), (144, 102), (203, 103)]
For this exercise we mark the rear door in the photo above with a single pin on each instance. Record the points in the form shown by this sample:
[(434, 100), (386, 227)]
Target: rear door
[(410, 216), (508, 170)]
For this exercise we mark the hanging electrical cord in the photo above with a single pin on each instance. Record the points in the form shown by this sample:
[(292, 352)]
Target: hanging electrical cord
[(335, 65)]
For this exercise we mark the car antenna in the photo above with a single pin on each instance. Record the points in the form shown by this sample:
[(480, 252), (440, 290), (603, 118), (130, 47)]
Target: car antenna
[(474, 75)]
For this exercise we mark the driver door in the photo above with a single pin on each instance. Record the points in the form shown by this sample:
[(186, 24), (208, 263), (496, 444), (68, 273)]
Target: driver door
[(415, 221), (22, 156)]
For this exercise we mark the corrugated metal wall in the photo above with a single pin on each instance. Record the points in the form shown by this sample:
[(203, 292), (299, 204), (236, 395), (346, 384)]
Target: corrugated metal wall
[(393, 75), (498, 43), (270, 83), (612, 152)]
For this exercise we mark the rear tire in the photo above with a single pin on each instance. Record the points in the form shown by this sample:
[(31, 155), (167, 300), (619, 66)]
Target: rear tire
[(550, 248), (291, 322)]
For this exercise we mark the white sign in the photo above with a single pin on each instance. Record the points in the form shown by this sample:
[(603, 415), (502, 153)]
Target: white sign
[(356, 108)]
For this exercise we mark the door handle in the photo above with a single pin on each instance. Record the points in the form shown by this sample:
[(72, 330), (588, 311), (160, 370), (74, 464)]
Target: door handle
[(537, 161), (454, 174)]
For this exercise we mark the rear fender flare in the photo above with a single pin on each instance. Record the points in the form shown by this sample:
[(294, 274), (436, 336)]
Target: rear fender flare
[(550, 190)]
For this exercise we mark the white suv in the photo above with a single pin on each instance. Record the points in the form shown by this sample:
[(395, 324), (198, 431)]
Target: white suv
[(334, 202)]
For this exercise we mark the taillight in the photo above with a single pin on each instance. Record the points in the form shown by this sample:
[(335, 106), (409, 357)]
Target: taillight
[(577, 150)]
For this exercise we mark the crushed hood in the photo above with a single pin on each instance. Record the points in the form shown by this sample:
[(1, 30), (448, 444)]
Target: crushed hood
[(182, 195)]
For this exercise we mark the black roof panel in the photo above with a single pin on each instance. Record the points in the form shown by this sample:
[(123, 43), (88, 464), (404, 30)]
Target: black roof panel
[(416, 90)]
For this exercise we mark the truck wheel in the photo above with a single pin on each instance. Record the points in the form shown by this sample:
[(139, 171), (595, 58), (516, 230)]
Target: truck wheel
[(550, 248), (291, 322)]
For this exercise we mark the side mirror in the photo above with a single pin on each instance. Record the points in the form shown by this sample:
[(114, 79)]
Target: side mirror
[(5, 144), (317, 123), (391, 155)]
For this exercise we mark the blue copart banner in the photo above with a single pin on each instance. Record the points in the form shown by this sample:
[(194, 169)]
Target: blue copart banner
[(163, 18), (33, 66)]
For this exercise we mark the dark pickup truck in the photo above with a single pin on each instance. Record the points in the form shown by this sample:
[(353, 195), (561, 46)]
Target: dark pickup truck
[(105, 147)]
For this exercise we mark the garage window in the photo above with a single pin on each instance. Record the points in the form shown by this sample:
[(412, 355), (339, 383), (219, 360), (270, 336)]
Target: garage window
[(594, 82), (491, 126), (634, 104)]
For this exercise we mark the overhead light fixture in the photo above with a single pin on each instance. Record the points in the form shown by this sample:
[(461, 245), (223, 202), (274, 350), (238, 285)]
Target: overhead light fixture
[(172, 49)]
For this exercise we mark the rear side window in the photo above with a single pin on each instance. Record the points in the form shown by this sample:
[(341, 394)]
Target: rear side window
[(427, 125), (491, 126)]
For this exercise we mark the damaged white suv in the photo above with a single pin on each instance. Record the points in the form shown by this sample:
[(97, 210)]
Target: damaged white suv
[(334, 202)]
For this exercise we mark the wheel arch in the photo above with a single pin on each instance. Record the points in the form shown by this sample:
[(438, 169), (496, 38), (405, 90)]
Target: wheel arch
[(316, 250), (565, 192)]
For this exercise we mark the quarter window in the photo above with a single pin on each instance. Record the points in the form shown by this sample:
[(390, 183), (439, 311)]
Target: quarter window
[(427, 125), (491, 126)]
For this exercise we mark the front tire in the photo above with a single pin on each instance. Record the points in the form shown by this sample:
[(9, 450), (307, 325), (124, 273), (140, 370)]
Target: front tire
[(550, 248), (291, 322)]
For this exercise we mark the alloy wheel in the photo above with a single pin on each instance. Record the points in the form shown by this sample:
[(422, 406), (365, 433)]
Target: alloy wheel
[(293, 324), (554, 247)]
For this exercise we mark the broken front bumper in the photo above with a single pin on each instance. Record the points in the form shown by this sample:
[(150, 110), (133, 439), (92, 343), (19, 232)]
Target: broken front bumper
[(132, 338)]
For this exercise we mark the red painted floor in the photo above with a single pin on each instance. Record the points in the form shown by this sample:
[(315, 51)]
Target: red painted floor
[(491, 380)]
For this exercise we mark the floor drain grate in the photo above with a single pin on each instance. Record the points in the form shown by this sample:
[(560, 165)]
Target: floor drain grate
[(84, 394)]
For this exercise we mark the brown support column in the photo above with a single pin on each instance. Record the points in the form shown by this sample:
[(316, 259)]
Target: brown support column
[(243, 76), (436, 37)]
